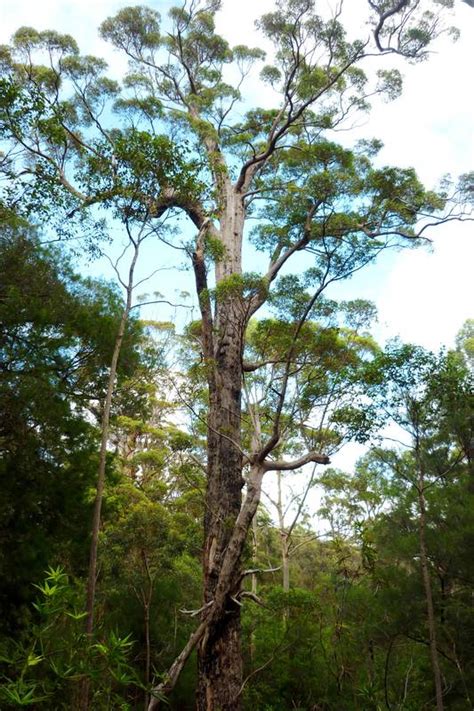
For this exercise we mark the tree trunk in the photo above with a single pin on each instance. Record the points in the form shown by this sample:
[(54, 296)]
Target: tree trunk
[(427, 584), (284, 541), (226, 588), (146, 597), (105, 429), (285, 559), (146, 621), (254, 554), (219, 651), (254, 586)]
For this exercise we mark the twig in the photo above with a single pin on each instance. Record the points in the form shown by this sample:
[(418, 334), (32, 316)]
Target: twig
[(264, 666)]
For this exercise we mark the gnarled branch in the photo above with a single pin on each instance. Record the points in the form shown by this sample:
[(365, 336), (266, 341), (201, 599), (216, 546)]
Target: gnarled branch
[(282, 465)]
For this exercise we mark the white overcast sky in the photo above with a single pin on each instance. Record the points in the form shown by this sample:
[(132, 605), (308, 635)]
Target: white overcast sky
[(422, 297)]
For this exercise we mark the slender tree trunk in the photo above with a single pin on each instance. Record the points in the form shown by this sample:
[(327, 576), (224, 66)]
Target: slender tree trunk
[(254, 586), (146, 599), (427, 583), (285, 559), (254, 554), (284, 540), (147, 652), (105, 429)]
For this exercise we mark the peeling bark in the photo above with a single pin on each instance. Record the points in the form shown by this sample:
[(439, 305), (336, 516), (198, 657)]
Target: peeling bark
[(219, 650)]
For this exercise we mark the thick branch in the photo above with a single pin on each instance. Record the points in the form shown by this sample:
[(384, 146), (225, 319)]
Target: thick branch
[(277, 264), (383, 17), (200, 276), (251, 367), (176, 668), (259, 571), (280, 465)]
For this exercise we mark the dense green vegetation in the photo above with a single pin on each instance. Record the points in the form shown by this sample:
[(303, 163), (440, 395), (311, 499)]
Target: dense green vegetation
[(351, 631)]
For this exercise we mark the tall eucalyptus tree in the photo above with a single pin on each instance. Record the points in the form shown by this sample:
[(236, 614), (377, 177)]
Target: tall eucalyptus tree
[(183, 138)]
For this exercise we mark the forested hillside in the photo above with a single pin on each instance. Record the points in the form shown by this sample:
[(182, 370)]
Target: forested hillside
[(173, 531)]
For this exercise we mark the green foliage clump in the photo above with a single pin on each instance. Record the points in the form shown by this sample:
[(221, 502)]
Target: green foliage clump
[(46, 668)]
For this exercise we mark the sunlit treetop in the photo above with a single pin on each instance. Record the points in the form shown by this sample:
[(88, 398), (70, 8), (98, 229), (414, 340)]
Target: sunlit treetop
[(178, 132)]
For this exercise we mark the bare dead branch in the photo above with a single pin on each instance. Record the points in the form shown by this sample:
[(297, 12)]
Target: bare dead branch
[(258, 571), (195, 613)]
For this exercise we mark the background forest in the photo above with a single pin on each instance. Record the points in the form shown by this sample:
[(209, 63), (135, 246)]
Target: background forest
[(352, 590), (338, 620)]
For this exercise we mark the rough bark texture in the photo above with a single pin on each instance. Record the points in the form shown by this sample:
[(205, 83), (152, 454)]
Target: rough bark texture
[(219, 651)]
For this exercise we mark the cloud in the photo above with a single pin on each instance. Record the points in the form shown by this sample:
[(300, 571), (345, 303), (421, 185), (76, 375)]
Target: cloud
[(428, 296)]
